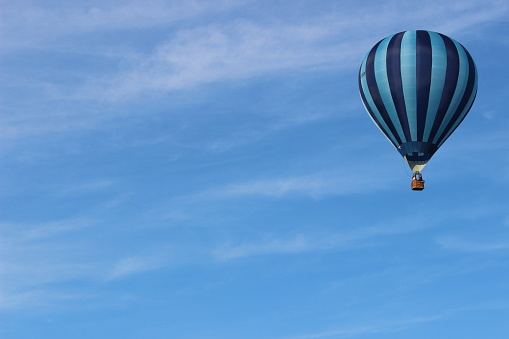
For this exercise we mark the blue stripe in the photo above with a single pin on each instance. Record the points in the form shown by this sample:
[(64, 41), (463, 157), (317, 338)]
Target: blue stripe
[(408, 79), (466, 101), (424, 62), (370, 106), (451, 80), (393, 63), (382, 82), (456, 124), (375, 93), (438, 71), (461, 85)]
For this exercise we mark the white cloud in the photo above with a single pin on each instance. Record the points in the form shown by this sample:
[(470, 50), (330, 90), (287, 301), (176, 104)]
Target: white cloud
[(272, 246), (347, 180), (231, 48), (42, 20), (34, 256), (340, 181), (241, 49), (359, 236), (15, 234), (464, 15), (380, 327), (36, 24), (463, 245), (313, 242), (234, 51), (396, 323), (237, 49), (87, 187), (134, 265), (34, 299), (45, 265), (489, 115), (17, 126)]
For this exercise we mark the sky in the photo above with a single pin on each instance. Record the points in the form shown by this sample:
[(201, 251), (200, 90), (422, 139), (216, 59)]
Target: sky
[(206, 169)]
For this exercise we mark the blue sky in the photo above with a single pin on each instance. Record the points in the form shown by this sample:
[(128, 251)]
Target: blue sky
[(206, 169)]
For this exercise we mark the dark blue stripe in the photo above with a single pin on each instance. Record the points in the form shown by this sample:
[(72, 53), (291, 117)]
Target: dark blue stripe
[(370, 111), (375, 93), (393, 62), (423, 74), (451, 80), (468, 109), (465, 99)]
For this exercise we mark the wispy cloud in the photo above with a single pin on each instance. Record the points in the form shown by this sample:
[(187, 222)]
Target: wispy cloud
[(469, 14), (356, 236), (22, 233), (317, 185), (36, 23), (35, 299), (387, 327), (37, 255), (241, 49), (351, 179), (464, 245), (87, 187), (228, 49), (320, 242), (233, 48), (76, 18), (134, 265), (399, 324), (273, 246), (18, 125), (37, 259), (233, 51)]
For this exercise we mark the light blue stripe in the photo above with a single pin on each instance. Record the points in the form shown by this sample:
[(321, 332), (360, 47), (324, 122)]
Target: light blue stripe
[(438, 71), (408, 77), (458, 92), (465, 110), (387, 132), (382, 82)]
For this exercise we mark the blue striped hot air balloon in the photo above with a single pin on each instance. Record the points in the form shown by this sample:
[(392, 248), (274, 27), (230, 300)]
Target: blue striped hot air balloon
[(418, 86)]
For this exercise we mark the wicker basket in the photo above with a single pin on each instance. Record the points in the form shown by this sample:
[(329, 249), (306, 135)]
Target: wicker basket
[(417, 185)]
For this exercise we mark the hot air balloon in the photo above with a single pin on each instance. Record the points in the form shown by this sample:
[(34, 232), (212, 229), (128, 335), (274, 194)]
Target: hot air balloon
[(417, 86)]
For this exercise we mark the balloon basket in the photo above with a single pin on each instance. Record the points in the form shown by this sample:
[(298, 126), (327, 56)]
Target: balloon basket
[(417, 185)]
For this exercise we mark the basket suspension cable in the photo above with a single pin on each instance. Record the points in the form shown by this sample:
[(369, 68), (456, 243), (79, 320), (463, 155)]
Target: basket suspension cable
[(405, 166)]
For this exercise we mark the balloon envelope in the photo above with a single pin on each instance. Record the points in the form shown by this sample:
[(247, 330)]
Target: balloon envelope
[(418, 86)]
